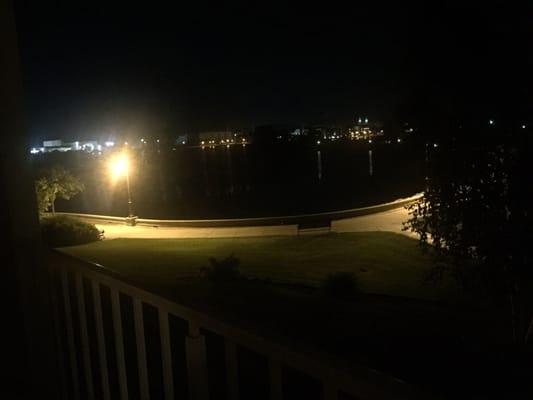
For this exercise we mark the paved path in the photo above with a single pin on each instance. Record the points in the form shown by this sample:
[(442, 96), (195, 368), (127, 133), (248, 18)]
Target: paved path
[(384, 221)]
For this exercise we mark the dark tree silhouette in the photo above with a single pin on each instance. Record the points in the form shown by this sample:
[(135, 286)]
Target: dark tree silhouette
[(476, 210)]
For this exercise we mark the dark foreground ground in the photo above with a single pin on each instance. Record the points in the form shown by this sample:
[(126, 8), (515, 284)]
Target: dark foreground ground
[(432, 336)]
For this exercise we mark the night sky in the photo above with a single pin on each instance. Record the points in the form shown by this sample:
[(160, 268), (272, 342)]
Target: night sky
[(102, 71)]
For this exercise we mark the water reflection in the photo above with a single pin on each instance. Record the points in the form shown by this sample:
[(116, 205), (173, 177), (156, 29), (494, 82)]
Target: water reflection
[(229, 169), (205, 173), (370, 165), (319, 165)]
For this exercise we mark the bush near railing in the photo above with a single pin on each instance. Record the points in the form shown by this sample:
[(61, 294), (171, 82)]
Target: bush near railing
[(60, 231), (224, 270)]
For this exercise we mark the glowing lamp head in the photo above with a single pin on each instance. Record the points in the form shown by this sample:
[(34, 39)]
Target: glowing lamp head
[(119, 166)]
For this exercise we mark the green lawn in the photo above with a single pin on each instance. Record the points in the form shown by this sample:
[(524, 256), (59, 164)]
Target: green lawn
[(385, 263)]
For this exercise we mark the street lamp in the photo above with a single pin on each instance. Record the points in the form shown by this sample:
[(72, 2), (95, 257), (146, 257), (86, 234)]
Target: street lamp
[(120, 167)]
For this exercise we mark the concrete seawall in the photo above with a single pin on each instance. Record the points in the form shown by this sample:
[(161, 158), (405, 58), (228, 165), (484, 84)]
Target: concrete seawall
[(265, 221)]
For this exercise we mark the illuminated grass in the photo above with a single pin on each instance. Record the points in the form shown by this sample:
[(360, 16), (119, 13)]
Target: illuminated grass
[(384, 263)]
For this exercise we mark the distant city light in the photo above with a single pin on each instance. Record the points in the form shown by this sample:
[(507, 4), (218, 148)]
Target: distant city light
[(126, 143), (435, 145), (157, 140), (523, 127), (370, 141), (34, 151), (318, 142), (399, 140), (366, 120), (203, 142), (109, 144), (183, 142), (491, 122)]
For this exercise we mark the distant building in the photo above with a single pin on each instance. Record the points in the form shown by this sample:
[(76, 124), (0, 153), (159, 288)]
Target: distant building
[(365, 130), (274, 133), (217, 136), (212, 138), (89, 146), (182, 139)]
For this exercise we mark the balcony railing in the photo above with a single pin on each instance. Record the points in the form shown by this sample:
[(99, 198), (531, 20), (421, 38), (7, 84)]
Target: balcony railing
[(118, 341)]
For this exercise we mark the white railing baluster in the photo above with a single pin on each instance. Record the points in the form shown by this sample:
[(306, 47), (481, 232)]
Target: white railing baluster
[(70, 335), (276, 385), (141, 348), (119, 344), (196, 363), (232, 373), (58, 334), (166, 355), (84, 335), (100, 337)]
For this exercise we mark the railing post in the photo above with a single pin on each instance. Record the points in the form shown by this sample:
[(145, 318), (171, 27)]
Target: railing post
[(119, 344), (84, 334), (232, 373), (57, 329), (70, 335), (276, 386), (196, 364), (141, 348), (166, 355), (97, 301)]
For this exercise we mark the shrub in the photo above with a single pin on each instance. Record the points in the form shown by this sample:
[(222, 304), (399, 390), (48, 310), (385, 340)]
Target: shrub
[(61, 231), (341, 285), (224, 270)]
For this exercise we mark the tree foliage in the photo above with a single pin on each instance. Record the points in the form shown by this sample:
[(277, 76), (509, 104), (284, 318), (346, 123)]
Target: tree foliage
[(476, 210), (56, 182)]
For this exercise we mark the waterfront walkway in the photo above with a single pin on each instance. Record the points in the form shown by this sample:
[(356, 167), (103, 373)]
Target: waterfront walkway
[(390, 221)]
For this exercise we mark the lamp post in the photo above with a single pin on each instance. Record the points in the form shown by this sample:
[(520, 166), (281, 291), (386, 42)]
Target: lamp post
[(119, 167), (130, 203)]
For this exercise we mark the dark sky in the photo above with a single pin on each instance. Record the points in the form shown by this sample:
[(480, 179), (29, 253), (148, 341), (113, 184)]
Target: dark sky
[(98, 71)]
